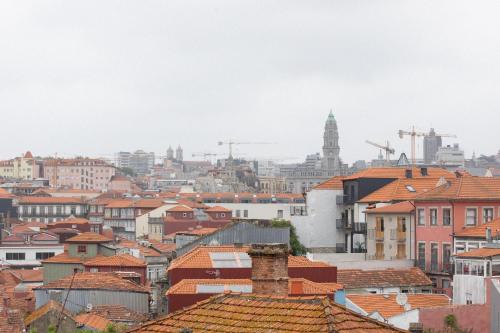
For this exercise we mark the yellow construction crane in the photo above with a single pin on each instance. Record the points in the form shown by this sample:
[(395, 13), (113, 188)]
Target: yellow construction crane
[(230, 143), (413, 134), (387, 148)]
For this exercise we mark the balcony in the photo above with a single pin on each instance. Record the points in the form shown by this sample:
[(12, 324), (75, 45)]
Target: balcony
[(359, 228), (341, 199), (340, 248)]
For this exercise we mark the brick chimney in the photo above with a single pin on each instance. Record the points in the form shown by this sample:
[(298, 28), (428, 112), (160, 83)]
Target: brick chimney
[(269, 269)]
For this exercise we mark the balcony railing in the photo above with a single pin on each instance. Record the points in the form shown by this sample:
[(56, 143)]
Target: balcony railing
[(359, 227), (340, 248), (341, 199)]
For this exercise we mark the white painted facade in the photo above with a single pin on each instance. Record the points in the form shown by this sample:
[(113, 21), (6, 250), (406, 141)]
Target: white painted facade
[(30, 254), (261, 211), (358, 261), (318, 228), (469, 289)]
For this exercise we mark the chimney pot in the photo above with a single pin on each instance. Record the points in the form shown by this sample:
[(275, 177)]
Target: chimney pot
[(269, 268)]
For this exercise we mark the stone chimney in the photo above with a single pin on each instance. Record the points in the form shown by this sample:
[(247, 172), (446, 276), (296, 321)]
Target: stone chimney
[(269, 269)]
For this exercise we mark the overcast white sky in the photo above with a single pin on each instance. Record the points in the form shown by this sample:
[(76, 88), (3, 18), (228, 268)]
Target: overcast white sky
[(95, 77)]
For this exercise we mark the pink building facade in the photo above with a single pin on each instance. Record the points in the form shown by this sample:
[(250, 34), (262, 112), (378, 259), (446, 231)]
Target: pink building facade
[(79, 173), (436, 223)]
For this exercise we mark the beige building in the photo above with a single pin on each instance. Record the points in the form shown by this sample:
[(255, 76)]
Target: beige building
[(391, 232), (272, 185), (78, 173), (24, 167)]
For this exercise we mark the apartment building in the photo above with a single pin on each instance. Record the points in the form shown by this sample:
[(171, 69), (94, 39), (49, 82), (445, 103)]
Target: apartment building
[(50, 209), (78, 173), (24, 167)]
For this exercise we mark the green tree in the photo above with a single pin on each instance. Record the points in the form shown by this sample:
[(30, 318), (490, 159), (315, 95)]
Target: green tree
[(297, 247)]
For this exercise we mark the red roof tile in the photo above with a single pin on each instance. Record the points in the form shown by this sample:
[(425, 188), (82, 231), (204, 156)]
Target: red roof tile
[(401, 189), (382, 278), (93, 321), (480, 230), (387, 306), (180, 208), (480, 253), (400, 172), (102, 281), (245, 313), (120, 260), (217, 209), (118, 313), (88, 237), (404, 207), (465, 188), (50, 200), (334, 183)]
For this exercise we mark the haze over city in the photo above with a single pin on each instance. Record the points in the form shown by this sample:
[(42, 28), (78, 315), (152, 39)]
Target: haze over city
[(84, 81)]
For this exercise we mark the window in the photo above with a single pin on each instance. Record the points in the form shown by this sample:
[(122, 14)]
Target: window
[(434, 257), (238, 213), (245, 213), (73, 210), (82, 249), (445, 283), (433, 213), (421, 216), (44, 255), (421, 256), (380, 228), (94, 270), (15, 256), (446, 257), (487, 215), (446, 216), (471, 216), (280, 213)]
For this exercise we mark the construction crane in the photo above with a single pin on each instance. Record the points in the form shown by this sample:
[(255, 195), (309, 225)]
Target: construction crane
[(205, 155), (413, 134), (230, 143), (387, 148)]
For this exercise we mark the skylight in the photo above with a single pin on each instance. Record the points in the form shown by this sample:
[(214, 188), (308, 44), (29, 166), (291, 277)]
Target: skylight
[(230, 260), (410, 188)]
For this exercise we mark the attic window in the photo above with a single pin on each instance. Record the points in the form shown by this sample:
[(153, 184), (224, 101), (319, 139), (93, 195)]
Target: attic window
[(410, 188)]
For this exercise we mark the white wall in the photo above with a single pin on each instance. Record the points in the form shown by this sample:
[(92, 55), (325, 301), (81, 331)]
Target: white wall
[(30, 254), (141, 222), (404, 319), (259, 211), (468, 284), (357, 261), (318, 228)]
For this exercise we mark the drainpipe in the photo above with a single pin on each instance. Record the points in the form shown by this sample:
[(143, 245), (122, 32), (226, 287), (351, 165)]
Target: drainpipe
[(415, 231)]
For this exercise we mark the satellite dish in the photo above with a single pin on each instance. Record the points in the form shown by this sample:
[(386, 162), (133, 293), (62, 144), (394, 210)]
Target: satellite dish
[(402, 299), (407, 307)]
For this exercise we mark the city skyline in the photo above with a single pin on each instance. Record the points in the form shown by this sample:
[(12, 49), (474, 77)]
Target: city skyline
[(83, 82)]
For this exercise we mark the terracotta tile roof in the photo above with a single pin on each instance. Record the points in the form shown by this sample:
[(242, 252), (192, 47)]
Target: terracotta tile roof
[(120, 260), (148, 203), (480, 230), (357, 279), (93, 321), (27, 275), (198, 231), (64, 258), (465, 188), (297, 286), (44, 236), (88, 237), (404, 207), (401, 189), (400, 172), (218, 209), (13, 238), (102, 281), (199, 257), (162, 247), (120, 203), (334, 183), (41, 311), (118, 313), (50, 200), (254, 313), (180, 208), (387, 306), (4, 194), (71, 220), (483, 252)]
